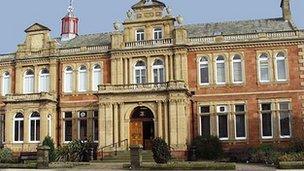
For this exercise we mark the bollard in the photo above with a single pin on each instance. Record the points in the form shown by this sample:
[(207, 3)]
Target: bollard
[(43, 157), (136, 156)]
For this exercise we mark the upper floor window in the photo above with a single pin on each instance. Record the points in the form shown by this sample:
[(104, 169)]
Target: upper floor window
[(35, 127), (237, 69), (96, 77), (44, 81), (281, 73), (140, 72), (82, 78), (6, 83), (158, 33), (264, 68), (140, 35), (158, 71), (204, 70), (29, 81), (220, 70), (68, 79), (18, 127)]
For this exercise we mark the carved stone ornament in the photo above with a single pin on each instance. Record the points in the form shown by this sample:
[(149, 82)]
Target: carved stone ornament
[(180, 20), (129, 14), (117, 25)]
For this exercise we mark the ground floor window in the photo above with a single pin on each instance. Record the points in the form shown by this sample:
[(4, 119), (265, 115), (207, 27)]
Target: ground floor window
[(2, 119), (284, 115), (205, 120), (222, 122), (240, 121), (83, 125), (95, 126), (68, 127), (266, 120), (18, 128), (35, 127)]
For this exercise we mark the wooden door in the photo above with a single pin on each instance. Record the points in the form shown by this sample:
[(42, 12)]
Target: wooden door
[(136, 133)]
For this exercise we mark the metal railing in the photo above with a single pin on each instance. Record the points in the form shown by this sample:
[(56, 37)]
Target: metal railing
[(115, 146)]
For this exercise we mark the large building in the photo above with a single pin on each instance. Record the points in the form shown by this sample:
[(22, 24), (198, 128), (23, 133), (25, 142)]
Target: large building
[(155, 76)]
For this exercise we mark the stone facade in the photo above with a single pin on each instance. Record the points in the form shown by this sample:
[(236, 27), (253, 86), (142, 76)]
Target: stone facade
[(175, 101)]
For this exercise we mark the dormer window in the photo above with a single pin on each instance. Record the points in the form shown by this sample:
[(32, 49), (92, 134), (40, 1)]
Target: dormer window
[(140, 35), (158, 33)]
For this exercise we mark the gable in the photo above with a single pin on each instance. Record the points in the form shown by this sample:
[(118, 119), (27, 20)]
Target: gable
[(37, 27)]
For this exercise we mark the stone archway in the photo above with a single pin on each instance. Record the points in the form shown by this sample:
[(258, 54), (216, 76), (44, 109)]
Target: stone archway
[(142, 130)]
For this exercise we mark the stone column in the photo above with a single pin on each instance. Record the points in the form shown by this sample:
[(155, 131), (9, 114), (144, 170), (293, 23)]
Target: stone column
[(126, 71), (53, 77), (184, 63), (18, 80), (90, 125), (171, 68), (120, 67), (131, 79), (26, 125), (121, 122), (36, 79), (113, 72), (75, 80), (101, 126), (75, 125), (173, 122), (149, 68), (90, 78), (182, 126), (109, 124), (159, 119), (115, 122), (177, 68), (166, 124)]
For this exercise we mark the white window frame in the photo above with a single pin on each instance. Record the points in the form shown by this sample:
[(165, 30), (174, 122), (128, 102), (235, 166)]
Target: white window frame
[(279, 117), (96, 71), (216, 69), (261, 121), (82, 71), (28, 79), (35, 119), (200, 119), (233, 67), (141, 33), (200, 63), (281, 58), (260, 60), (63, 126), (68, 70), (158, 68), (49, 118), (44, 81), (217, 124), (140, 68), (14, 125), (159, 32), (245, 120), (6, 79)]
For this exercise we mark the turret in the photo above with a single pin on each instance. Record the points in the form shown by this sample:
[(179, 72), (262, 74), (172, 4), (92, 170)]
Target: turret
[(69, 29)]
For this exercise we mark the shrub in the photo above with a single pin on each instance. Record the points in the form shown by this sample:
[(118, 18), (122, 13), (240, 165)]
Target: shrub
[(264, 154), (207, 147), (297, 145), (6, 155), (291, 165), (48, 141), (291, 157), (161, 151)]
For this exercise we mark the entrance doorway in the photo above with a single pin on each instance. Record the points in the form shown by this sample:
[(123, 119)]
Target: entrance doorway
[(142, 127)]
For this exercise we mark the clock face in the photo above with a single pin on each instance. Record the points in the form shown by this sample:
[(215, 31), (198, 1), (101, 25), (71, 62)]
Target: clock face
[(83, 114)]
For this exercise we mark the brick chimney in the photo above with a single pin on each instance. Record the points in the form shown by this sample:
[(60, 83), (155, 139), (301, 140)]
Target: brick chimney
[(285, 5)]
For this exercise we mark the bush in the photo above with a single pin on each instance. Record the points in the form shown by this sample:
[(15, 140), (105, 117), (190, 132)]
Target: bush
[(264, 154), (207, 147), (291, 165), (161, 151), (6, 155), (48, 141), (297, 145), (291, 157)]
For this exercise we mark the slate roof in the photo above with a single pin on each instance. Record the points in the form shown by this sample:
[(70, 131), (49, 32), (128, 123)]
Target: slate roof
[(239, 27)]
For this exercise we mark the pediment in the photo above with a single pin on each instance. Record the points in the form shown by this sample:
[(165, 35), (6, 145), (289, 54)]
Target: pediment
[(37, 27)]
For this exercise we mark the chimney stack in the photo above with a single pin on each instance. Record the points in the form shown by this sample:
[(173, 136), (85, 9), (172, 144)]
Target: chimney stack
[(285, 5)]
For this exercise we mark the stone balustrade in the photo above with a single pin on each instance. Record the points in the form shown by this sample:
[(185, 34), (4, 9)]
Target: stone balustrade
[(88, 49), (149, 43), (147, 87), (29, 97)]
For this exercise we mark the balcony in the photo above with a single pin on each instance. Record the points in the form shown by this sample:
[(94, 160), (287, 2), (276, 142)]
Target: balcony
[(140, 88), (29, 97), (149, 43)]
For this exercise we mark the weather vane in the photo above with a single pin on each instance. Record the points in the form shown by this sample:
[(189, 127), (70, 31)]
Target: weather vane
[(71, 8)]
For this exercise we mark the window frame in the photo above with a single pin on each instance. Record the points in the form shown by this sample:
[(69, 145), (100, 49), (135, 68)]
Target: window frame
[(6, 77), (64, 127), (47, 80), (71, 73), (281, 58), (96, 71), (49, 120), (290, 118), (260, 60), (35, 119), (79, 119), (217, 62), (31, 79), (158, 68), (158, 31), (200, 62), (19, 120), (85, 72), (200, 131), (233, 61), (245, 120), (218, 124), (95, 118), (141, 33), (140, 68), (261, 120)]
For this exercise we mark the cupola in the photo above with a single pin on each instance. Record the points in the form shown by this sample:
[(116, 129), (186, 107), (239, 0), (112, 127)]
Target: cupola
[(69, 28)]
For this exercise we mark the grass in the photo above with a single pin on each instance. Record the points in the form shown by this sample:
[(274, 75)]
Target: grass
[(291, 165)]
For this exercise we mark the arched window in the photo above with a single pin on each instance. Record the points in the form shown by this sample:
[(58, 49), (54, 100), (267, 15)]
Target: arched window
[(35, 127), (140, 72), (237, 69), (18, 127), (204, 70), (140, 35), (68, 79), (264, 68), (49, 125), (281, 67), (29, 81), (6, 83), (96, 77), (44, 81), (82, 78), (158, 71), (220, 70)]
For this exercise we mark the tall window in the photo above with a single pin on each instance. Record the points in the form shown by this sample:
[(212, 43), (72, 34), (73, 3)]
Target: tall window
[(35, 127), (140, 72), (220, 70), (49, 125), (158, 71), (240, 125), (2, 120), (95, 126), (204, 71), (82, 79), (285, 124), (222, 121), (266, 120), (6, 84), (68, 126), (68, 79), (18, 128), (96, 77), (264, 68), (29, 81), (83, 125), (158, 33), (281, 67), (44, 81), (205, 120), (237, 69), (140, 35)]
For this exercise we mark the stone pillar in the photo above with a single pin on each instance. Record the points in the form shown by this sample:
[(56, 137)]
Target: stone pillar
[(121, 122), (26, 125), (113, 71), (75, 80), (131, 79), (171, 68), (101, 125), (159, 119), (177, 68), (36, 79), (173, 122), (167, 69), (126, 71), (90, 125), (184, 66), (136, 156), (109, 124), (75, 125), (166, 124), (115, 122), (149, 78), (43, 157), (120, 72), (53, 77)]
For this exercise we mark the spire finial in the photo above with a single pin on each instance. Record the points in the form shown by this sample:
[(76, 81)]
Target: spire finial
[(71, 8)]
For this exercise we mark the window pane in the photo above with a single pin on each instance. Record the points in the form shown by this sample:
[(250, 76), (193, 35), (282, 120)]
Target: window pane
[(32, 131), (155, 73), (267, 124), (16, 138), (223, 127), (281, 69), (285, 123), (237, 71), (83, 129), (266, 106), (264, 71), (38, 130), (21, 131), (68, 131), (205, 109), (68, 82), (239, 108), (205, 121), (143, 76), (240, 126), (204, 72), (96, 79), (221, 78)]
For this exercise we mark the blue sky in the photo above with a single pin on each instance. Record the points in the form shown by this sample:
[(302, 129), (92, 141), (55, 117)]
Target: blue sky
[(98, 15)]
